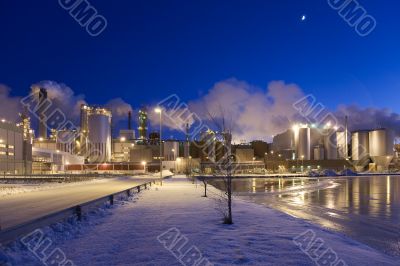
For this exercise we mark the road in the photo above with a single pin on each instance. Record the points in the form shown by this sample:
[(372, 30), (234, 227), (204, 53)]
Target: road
[(23, 207)]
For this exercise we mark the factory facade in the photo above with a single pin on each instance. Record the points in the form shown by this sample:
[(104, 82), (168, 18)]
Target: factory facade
[(91, 147)]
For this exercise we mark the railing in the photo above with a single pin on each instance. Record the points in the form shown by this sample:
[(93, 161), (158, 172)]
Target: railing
[(11, 234), (56, 177)]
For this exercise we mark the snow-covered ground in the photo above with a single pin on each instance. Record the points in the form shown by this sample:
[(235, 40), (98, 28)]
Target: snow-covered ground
[(142, 231), (7, 189)]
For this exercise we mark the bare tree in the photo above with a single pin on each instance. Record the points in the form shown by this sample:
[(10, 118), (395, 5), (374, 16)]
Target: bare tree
[(204, 180), (225, 163)]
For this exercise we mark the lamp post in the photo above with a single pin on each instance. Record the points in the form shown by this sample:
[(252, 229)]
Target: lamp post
[(159, 111)]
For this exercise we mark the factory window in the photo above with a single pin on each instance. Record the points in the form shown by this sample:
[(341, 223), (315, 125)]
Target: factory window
[(2, 145), (2, 153), (11, 146), (10, 154)]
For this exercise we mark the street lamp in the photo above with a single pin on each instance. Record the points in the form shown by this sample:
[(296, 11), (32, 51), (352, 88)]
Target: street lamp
[(159, 111)]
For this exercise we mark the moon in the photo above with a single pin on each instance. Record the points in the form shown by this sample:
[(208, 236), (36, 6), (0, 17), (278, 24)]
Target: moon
[(303, 17)]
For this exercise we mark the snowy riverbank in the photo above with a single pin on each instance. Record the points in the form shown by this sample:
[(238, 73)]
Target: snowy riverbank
[(140, 232)]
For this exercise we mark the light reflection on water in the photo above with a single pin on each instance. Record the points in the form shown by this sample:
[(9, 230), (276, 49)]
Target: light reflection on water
[(365, 208)]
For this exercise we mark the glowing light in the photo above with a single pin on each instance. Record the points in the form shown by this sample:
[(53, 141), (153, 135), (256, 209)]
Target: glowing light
[(303, 17), (3, 120), (178, 159), (295, 128), (143, 163), (157, 110), (40, 139), (122, 139)]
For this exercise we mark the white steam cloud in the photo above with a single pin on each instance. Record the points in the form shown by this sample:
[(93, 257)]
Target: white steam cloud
[(254, 113), (63, 97), (9, 106)]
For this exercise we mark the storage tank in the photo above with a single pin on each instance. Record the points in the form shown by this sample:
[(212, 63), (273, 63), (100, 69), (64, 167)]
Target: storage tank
[(66, 141), (316, 138), (303, 144), (99, 135), (360, 145), (319, 153), (330, 144), (342, 144), (381, 144)]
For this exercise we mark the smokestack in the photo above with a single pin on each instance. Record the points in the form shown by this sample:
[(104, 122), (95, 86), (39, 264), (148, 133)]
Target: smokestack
[(346, 152), (129, 120), (41, 113)]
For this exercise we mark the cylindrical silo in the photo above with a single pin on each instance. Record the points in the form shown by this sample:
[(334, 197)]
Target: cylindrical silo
[(319, 153), (330, 144), (360, 145), (315, 140), (99, 135), (381, 144), (66, 141), (303, 145)]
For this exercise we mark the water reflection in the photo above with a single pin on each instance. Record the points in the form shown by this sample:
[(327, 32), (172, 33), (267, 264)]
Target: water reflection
[(366, 208)]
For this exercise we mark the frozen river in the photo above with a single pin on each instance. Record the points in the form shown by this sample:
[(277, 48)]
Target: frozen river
[(365, 208)]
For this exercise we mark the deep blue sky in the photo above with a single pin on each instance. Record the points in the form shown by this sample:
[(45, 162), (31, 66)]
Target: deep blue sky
[(151, 49)]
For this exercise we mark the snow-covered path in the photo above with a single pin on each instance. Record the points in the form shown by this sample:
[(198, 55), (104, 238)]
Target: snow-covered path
[(260, 236), (23, 207)]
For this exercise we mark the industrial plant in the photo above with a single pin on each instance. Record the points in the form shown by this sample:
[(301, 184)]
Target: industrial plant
[(93, 147)]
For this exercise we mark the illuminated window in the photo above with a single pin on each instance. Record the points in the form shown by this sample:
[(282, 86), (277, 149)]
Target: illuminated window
[(11, 146), (2, 153), (10, 154), (2, 145)]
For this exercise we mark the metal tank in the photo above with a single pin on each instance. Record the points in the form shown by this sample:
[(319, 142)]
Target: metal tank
[(316, 138), (99, 135), (381, 144), (66, 141), (330, 144), (303, 144), (319, 153), (360, 145)]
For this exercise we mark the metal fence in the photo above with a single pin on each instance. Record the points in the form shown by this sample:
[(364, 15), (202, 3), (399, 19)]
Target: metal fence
[(11, 234)]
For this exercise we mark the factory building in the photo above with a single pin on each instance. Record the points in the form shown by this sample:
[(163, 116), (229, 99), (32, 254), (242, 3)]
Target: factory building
[(376, 145), (95, 134), (244, 153), (170, 150), (50, 161), (305, 142), (122, 145), (15, 151)]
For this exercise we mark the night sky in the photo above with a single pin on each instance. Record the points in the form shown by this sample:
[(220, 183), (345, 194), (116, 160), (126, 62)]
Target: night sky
[(151, 49)]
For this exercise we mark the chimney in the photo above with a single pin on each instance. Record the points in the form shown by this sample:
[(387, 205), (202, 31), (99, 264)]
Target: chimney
[(41, 113), (129, 120)]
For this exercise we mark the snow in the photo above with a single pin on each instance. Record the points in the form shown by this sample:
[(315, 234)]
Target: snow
[(127, 234)]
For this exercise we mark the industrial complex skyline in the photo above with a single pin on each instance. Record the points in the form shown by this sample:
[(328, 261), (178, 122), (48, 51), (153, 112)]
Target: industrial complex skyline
[(164, 50), (182, 132)]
